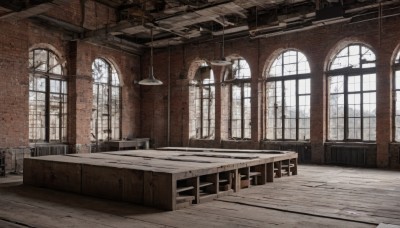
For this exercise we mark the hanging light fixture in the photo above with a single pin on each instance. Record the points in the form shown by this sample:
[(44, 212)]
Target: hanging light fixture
[(222, 61), (151, 80)]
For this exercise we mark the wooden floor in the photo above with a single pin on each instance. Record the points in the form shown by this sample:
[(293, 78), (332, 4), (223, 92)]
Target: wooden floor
[(317, 197)]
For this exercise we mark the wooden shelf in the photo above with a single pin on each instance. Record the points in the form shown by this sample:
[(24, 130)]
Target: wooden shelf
[(205, 184), (183, 189), (254, 174)]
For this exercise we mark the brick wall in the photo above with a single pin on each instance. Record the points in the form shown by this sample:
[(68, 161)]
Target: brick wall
[(319, 45), (17, 38), (14, 83)]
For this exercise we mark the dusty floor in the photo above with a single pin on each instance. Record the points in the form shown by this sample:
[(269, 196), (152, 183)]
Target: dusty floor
[(320, 196)]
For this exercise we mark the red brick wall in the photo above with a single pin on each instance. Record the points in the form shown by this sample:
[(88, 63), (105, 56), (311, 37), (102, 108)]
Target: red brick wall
[(16, 39), (318, 45), (14, 84)]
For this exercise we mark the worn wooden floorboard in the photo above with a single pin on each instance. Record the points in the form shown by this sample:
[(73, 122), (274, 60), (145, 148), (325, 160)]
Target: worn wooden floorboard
[(317, 197)]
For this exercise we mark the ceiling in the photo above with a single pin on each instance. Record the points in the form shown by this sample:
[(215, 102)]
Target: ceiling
[(176, 22)]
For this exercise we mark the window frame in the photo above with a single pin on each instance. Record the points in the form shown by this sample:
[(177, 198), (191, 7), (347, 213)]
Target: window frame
[(396, 68), (347, 72), (240, 83), (49, 77), (109, 85), (284, 78), (199, 87)]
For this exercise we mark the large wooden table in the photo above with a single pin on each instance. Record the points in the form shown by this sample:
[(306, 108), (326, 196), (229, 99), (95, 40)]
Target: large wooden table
[(168, 179)]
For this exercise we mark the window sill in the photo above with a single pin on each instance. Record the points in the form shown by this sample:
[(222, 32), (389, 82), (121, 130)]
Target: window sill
[(194, 139), (286, 142)]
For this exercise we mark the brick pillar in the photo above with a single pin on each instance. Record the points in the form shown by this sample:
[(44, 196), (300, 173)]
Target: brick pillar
[(218, 104), (383, 105), (318, 112), (80, 95)]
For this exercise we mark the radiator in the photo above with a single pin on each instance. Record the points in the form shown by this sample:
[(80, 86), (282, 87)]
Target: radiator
[(360, 156), (43, 150)]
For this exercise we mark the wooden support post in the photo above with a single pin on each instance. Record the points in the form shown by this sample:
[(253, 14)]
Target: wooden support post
[(195, 182), (244, 175), (270, 172), (294, 172), (288, 168), (236, 180), (214, 188), (262, 169), (278, 169)]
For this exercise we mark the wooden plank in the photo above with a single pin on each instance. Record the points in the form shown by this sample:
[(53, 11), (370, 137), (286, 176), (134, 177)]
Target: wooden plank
[(148, 190), (163, 191), (262, 170), (56, 175), (110, 183), (183, 189)]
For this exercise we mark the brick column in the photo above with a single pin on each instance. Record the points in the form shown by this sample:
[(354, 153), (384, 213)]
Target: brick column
[(318, 112), (80, 95), (383, 105)]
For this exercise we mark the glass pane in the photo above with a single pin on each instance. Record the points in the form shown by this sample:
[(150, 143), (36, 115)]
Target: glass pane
[(369, 82), (355, 56), (304, 86), (40, 60), (241, 69), (336, 84)]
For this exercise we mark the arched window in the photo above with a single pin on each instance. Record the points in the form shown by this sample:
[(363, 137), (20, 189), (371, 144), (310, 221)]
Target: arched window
[(106, 110), (47, 97), (239, 99), (396, 67), (352, 95), (204, 103), (288, 97)]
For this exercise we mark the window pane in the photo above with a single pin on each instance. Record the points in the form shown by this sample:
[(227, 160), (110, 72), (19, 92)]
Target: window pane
[(369, 82), (336, 84), (354, 83), (241, 69)]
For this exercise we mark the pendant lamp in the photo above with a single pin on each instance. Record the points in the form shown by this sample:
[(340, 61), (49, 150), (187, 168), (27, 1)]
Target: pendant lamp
[(151, 80), (222, 61)]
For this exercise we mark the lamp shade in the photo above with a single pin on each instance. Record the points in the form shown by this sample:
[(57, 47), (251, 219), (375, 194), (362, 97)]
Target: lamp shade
[(151, 80)]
